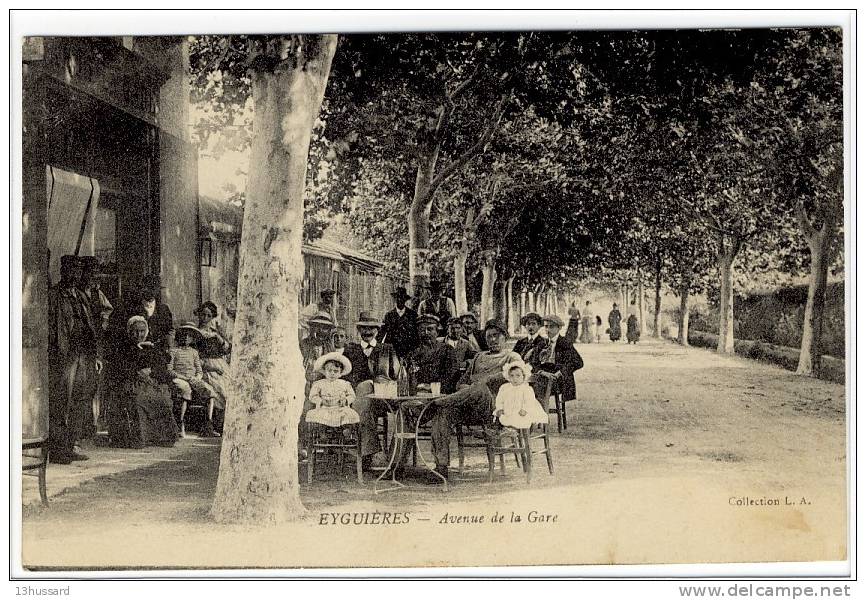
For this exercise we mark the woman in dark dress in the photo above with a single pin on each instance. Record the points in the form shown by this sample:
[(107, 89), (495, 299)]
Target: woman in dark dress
[(141, 413), (614, 318)]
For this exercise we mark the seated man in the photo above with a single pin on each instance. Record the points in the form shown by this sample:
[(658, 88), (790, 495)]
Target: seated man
[(472, 403), (532, 343), (559, 358), (433, 360), (473, 335), (463, 350), (371, 362)]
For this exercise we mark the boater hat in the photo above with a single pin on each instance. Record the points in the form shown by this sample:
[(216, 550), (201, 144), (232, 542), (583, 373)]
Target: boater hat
[(321, 319), (470, 315), (365, 319), (332, 357), (190, 327)]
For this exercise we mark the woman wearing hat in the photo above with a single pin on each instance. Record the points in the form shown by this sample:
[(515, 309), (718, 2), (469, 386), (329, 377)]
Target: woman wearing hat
[(399, 327)]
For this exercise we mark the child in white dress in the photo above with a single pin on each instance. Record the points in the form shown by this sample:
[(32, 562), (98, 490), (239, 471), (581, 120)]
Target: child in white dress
[(332, 397), (516, 405)]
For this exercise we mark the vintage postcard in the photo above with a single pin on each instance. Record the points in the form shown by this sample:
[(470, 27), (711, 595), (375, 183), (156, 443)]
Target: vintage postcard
[(514, 294)]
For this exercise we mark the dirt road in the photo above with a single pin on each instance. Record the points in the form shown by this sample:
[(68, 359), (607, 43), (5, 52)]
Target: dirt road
[(671, 455)]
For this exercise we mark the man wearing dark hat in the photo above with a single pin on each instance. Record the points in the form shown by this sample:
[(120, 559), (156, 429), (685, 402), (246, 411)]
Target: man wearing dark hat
[(73, 366), (533, 323), (433, 360), (371, 362), (439, 305), (474, 335), (472, 403), (559, 358), (463, 350), (399, 327)]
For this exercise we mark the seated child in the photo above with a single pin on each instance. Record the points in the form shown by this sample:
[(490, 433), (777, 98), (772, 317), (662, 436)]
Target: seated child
[(516, 405), (186, 373), (332, 397)]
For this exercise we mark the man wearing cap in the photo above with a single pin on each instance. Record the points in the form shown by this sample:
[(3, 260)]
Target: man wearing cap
[(559, 358), (474, 335), (73, 366), (472, 403), (439, 305), (535, 339), (371, 362), (463, 350), (433, 360), (399, 327)]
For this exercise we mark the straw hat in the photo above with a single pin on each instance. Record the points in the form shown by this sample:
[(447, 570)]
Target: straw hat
[(332, 357), (190, 327), (365, 319)]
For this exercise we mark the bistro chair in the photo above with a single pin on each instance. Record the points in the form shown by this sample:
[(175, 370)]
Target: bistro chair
[(35, 458), (324, 440)]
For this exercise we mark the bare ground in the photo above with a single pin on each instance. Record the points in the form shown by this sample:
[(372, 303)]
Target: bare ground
[(665, 450)]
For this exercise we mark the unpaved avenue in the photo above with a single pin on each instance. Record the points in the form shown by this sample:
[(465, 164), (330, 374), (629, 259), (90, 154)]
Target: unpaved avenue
[(672, 455)]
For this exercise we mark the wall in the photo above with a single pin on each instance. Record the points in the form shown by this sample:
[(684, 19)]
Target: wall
[(178, 177)]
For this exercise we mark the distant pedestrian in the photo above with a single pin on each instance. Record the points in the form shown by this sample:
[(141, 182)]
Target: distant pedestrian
[(632, 325), (614, 319)]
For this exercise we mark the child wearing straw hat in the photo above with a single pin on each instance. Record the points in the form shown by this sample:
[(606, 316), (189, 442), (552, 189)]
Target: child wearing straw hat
[(516, 405), (332, 397)]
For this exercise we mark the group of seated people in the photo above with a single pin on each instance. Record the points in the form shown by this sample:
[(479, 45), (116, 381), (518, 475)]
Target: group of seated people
[(481, 381), (160, 369)]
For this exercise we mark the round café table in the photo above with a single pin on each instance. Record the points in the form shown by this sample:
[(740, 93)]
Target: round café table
[(408, 412)]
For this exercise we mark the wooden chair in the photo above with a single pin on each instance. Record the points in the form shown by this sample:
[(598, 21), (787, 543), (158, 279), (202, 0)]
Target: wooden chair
[(519, 441), (33, 461), (499, 442), (558, 407), (323, 440)]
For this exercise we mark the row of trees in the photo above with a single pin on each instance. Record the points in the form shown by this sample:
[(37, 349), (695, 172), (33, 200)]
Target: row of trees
[(536, 159)]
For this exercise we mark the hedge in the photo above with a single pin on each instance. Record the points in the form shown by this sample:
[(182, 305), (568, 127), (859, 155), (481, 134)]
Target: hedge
[(831, 369)]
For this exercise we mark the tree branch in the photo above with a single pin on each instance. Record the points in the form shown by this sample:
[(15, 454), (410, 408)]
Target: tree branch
[(470, 152)]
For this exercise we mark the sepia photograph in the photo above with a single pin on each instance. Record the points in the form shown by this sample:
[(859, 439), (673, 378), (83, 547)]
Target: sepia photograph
[(522, 293)]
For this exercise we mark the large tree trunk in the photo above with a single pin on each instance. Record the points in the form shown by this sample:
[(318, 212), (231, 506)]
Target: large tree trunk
[(258, 475), (508, 304), (640, 303), (813, 319), (488, 274), (683, 336), (419, 221), (460, 283), (460, 265), (658, 299), (726, 298)]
